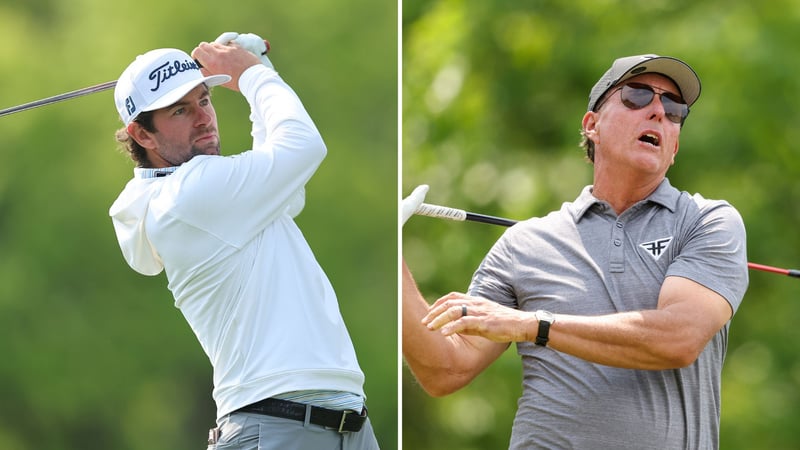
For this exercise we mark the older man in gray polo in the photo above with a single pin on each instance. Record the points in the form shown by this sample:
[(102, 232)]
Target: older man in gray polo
[(619, 302)]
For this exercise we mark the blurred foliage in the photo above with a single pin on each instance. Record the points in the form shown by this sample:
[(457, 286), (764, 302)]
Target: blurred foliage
[(493, 96), (96, 356)]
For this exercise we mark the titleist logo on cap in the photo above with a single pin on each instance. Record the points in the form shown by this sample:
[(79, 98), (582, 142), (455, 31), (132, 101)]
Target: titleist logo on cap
[(157, 79), (168, 70)]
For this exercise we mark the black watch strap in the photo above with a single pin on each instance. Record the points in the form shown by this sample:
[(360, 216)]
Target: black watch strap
[(545, 320), (544, 333)]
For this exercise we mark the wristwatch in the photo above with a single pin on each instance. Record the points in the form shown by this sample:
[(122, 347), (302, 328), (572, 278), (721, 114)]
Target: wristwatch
[(545, 318)]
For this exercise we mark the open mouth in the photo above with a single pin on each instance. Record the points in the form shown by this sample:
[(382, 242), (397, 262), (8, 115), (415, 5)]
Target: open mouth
[(650, 138)]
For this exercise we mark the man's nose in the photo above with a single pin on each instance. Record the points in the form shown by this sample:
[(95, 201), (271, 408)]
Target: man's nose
[(657, 107), (203, 117)]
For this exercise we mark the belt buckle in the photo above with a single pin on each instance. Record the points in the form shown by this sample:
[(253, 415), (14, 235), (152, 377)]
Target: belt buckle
[(341, 423), (213, 435)]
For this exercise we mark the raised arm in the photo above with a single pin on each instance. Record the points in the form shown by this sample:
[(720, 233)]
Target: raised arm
[(225, 59)]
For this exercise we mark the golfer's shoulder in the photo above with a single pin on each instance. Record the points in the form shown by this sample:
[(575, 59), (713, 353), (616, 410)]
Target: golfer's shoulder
[(705, 205), (533, 231), (563, 217), (698, 209)]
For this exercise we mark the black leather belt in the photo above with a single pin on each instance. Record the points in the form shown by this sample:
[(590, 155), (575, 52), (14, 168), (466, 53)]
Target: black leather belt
[(340, 421)]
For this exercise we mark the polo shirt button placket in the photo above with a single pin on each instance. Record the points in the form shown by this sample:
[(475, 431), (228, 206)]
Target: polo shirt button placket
[(617, 260)]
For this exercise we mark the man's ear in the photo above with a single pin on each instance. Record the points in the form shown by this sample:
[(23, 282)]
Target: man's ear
[(589, 125), (141, 136), (675, 151)]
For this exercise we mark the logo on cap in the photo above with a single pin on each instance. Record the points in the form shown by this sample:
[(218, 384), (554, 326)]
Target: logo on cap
[(129, 105), (168, 70)]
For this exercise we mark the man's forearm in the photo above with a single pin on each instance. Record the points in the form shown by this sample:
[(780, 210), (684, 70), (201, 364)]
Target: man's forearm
[(441, 364)]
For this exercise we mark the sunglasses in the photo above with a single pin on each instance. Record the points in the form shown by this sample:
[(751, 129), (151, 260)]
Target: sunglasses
[(638, 95)]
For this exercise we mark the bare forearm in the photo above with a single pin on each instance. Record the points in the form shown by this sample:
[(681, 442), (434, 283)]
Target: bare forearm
[(636, 340), (441, 364), (671, 336), (426, 353)]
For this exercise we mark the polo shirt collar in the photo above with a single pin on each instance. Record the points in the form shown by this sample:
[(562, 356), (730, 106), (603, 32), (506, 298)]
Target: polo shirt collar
[(664, 195), (144, 173)]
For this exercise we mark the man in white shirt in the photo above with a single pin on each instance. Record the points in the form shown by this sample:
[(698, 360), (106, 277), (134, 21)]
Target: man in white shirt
[(285, 371)]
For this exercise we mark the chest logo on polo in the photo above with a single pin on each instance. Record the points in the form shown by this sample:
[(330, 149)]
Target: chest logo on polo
[(656, 248)]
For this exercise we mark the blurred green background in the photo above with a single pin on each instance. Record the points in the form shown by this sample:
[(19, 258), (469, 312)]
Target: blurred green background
[(493, 96), (94, 355)]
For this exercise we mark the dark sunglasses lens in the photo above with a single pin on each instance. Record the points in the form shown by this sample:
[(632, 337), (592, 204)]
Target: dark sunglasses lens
[(637, 96), (675, 110)]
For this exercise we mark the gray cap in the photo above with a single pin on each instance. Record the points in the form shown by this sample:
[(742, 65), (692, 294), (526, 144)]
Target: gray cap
[(623, 68)]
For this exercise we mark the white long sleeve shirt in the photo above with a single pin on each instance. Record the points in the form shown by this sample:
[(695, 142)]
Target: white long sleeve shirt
[(238, 266)]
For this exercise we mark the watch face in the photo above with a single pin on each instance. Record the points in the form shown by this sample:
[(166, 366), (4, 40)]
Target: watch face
[(546, 316)]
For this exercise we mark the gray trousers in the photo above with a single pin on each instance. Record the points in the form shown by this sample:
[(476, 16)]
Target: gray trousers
[(247, 431)]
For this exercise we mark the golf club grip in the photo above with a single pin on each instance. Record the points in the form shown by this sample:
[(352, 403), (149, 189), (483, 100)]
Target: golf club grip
[(445, 212), (441, 212)]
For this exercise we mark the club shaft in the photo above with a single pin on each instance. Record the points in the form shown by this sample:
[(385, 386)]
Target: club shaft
[(446, 212), (472, 217), (60, 97), (72, 94), (788, 272)]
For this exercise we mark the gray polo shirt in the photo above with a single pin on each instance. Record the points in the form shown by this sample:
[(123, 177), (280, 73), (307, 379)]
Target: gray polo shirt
[(585, 260)]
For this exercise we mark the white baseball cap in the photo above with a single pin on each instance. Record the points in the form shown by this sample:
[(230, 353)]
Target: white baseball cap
[(158, 79)]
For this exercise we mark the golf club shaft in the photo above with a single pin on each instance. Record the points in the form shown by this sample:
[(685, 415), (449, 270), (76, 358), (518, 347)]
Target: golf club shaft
[(788, 272), (78, 93), (60, 97), (65, 96), (445, 212)]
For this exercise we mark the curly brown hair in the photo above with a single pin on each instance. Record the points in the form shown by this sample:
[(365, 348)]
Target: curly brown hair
[(137, 153)]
